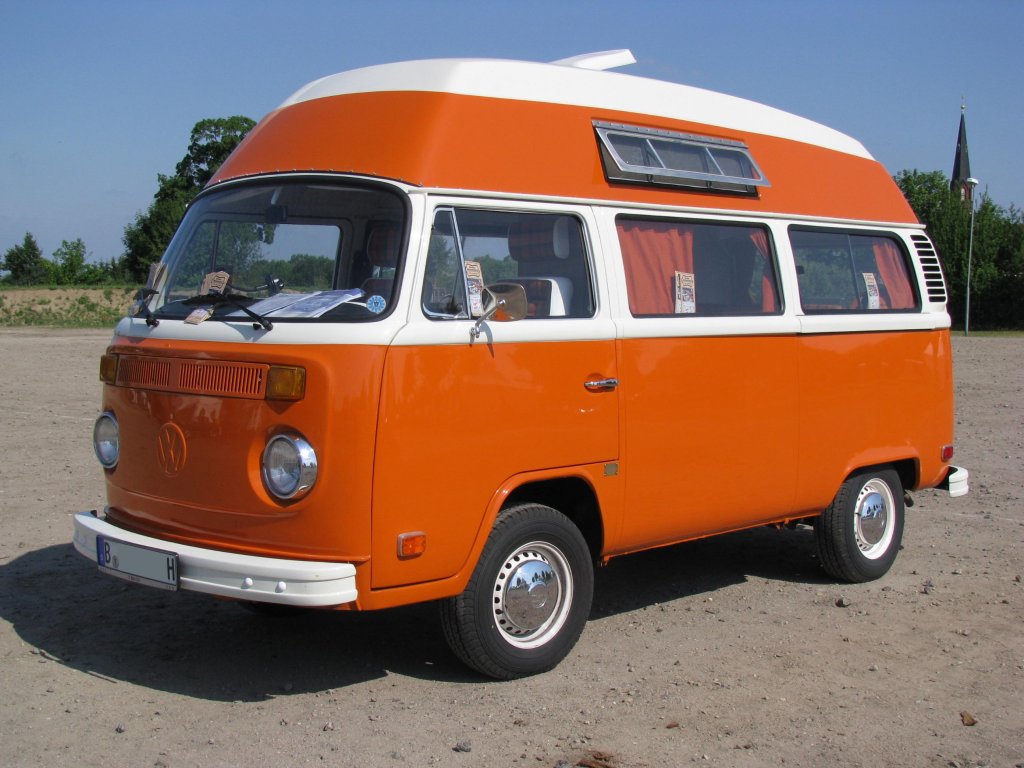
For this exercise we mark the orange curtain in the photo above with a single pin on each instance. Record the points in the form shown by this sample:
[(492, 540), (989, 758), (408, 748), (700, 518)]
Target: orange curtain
[(893, 270), (768, 300), (652, 252)]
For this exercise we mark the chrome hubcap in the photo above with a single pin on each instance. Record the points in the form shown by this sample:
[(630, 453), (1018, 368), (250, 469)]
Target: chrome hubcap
[(873, 518), (532, 595)]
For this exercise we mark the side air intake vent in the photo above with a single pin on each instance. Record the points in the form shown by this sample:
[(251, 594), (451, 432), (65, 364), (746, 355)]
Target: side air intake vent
[(933, 281)]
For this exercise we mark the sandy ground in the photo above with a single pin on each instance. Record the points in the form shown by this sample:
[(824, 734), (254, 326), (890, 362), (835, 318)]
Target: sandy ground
[(729, 652)]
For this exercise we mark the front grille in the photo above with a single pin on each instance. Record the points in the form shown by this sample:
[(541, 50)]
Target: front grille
[(194, 377), (933, 281)]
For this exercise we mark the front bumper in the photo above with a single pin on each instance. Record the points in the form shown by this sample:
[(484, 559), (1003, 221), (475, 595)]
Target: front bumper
[(227, 574)]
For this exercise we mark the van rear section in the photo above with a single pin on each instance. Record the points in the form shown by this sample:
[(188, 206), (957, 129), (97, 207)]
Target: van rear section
[(513, 321)]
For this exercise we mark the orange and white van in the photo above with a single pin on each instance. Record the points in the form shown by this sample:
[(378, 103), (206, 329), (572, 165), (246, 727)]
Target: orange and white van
[(459, 330)]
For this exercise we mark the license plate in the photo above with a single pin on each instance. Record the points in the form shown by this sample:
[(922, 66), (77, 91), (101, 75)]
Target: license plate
[(139, 564)]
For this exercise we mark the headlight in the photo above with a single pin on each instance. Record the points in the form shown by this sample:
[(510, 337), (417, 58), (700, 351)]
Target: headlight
[(289, 466), (106, 440)]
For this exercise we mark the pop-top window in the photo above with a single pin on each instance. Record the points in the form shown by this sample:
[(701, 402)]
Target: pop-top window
[(694, 269), (470, 249), (842, 271), (646, 155), (291, 250)]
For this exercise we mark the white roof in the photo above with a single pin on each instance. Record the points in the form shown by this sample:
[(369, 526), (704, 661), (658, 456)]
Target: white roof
[(566, 83)]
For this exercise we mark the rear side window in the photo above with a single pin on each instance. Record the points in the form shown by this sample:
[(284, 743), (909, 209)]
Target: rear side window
[(841, 271), (470, 249), (695, 269)]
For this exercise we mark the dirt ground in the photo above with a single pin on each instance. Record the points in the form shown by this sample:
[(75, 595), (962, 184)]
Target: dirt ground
[(735, 651)]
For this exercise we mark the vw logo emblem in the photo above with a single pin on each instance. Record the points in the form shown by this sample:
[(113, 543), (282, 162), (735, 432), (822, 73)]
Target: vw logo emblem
[(170, 449)]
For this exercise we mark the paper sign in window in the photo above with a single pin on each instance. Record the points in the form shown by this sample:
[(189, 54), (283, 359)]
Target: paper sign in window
[(475, 286), (686, 293), (871, 284)]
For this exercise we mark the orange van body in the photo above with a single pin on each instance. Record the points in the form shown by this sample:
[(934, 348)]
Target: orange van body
[(430, 419)]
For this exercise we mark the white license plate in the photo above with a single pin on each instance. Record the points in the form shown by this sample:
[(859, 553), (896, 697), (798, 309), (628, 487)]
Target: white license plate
[(139, 564)]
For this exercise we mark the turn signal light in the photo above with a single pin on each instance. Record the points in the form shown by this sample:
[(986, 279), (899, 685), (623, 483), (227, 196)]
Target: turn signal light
[(286, 382), (108, 369), (411, 544)]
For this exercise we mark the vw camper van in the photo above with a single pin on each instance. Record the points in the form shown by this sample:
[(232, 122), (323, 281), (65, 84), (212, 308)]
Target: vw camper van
[(463, 330)]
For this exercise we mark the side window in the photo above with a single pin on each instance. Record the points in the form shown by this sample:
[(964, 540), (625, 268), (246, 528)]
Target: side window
[(470, 249), (851, 272), (696, 269)]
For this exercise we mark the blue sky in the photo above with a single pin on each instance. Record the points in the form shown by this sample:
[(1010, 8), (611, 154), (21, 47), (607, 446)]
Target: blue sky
[(100, 96)]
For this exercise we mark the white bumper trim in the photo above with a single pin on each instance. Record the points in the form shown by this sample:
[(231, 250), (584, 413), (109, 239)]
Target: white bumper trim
[(244, 577), (956, 481)]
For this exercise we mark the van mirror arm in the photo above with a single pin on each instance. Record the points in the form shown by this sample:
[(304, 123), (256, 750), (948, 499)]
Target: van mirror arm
[(503, 302)]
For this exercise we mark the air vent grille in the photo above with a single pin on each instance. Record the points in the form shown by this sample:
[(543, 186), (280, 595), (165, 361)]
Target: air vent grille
[(933, 280), (194, 377)]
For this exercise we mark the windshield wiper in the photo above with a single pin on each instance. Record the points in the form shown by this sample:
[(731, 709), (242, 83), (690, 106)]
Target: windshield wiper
[(143, 300), (231, 300)]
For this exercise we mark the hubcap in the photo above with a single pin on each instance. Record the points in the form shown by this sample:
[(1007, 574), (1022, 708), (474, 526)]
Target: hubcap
[(873, 518), (532, 595)]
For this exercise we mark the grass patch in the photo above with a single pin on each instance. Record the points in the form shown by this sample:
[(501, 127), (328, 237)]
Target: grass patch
[(94, 307)]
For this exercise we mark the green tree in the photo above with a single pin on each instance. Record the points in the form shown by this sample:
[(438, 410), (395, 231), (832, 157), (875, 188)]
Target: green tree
[(69, 267), (146, 238), (25, 263)]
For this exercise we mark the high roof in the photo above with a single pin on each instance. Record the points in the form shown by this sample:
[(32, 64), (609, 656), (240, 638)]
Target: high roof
[(568, 84), (528, 129)]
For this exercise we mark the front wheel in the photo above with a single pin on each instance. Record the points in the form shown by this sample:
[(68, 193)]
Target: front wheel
[(528, 599), (859, 534)]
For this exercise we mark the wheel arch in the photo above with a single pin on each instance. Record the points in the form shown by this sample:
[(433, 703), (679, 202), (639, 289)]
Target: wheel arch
[(908, 470), (573, 496)]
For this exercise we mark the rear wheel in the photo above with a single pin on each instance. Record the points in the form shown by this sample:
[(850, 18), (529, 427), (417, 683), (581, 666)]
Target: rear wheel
[(859, 534), (528, 599)]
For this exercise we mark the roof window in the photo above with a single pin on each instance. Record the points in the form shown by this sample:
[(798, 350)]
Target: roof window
[(657, 157)]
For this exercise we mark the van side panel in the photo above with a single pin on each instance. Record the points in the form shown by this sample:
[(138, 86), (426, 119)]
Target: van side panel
[(458, 420), (450, 140), (871, 398), (710, 435)]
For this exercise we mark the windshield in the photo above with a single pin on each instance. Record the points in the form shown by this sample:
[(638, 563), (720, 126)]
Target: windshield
[(292, 250)]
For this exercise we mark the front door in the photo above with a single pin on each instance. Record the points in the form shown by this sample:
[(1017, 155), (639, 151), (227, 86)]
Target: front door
[(460, 416)]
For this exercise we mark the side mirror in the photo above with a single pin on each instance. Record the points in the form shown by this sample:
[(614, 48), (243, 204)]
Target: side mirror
[(503, 303)]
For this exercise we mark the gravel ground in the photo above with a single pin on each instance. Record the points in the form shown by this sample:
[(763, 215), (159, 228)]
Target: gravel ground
[(734, 651)]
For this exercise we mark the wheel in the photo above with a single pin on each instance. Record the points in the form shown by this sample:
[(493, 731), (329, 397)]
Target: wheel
[(859, 534), (528, 599)]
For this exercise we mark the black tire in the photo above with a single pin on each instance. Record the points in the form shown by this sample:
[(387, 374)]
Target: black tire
[(529, 597), (859, 534)]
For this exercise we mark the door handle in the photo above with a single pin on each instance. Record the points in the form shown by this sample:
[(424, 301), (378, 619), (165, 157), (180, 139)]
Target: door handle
[(601, 385)]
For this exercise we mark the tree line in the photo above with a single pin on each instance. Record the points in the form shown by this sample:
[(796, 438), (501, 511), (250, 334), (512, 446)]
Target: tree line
[(997, 255)]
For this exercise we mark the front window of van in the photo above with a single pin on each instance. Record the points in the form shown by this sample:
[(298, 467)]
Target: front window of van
[(288, 250)]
